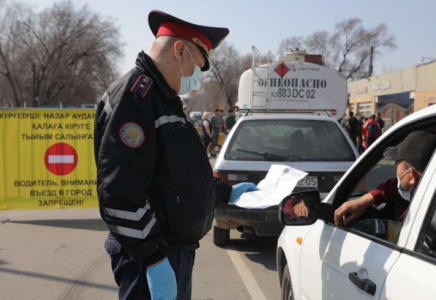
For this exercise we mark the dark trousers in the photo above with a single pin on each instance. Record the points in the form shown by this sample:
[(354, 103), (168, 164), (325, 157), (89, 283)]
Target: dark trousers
[(206, 144), (215, 136), (370, 141), (353, 137), (359, 143), (131, 277)]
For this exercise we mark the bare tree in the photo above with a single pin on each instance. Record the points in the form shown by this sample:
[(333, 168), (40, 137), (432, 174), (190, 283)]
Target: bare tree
[(348, 48), (11, 53), (293, 42), (226, 66), (73, 51), (319, 43)]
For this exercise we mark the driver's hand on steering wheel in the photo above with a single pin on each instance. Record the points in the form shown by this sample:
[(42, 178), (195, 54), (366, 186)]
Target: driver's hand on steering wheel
[(352, 210)]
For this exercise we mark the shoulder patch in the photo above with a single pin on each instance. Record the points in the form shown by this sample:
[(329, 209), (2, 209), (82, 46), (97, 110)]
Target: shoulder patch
[(141, 86), (132, 135)]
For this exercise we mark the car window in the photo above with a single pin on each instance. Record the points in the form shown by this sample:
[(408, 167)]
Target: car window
[(383, 221), (427, 246), (307, 140), (378, 221), (382, 171)]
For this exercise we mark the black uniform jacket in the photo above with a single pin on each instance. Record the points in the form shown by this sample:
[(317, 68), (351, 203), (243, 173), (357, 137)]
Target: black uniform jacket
[(154, 180)]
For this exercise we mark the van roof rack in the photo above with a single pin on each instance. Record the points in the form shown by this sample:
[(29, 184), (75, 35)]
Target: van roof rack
[(328, 112)]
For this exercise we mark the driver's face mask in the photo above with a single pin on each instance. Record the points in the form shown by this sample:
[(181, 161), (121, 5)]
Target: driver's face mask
[(406, 195)]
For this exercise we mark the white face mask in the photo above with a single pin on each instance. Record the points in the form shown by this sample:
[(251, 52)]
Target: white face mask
[(406, 195), (189, 83)]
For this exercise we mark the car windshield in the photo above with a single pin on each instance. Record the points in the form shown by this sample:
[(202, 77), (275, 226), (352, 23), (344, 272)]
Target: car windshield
[(297, 140)]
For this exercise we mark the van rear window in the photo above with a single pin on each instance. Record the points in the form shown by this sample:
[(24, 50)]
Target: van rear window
[(302, 140)]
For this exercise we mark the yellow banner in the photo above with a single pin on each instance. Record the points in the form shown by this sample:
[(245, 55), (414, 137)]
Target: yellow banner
[(47, 159)]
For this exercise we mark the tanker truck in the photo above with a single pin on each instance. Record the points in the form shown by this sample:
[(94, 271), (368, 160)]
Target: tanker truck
[(290, 110)]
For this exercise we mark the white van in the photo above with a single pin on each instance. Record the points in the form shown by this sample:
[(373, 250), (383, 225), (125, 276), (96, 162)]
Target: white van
[(289, 106), (372, 258)]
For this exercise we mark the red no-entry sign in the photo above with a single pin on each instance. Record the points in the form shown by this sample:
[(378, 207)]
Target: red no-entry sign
[(61, 159)]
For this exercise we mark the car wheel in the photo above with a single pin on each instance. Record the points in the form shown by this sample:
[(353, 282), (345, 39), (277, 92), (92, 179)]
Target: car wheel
[(287, 290), (220, 236)]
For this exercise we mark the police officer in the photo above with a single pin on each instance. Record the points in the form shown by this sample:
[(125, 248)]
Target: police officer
[(155, 185)]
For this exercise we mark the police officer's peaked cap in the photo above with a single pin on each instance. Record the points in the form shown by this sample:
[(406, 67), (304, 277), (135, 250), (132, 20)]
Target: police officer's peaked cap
[(206, 38)]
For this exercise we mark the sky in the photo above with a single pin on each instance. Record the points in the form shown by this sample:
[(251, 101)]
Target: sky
[(265, 24)]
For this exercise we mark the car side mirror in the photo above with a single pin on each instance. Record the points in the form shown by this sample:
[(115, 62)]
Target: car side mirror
[(300, 208)]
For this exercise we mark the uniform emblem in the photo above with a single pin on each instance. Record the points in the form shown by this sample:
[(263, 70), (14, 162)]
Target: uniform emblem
[(132, 135), (141, 86)]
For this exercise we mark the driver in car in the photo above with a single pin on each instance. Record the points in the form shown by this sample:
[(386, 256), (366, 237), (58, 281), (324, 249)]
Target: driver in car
[(411, 157)]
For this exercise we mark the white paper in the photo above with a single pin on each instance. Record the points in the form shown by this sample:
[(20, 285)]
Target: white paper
[(278, 183)]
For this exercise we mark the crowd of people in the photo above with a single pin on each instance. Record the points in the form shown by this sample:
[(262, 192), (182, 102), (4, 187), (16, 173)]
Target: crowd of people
[(363, 131), (212, 125)]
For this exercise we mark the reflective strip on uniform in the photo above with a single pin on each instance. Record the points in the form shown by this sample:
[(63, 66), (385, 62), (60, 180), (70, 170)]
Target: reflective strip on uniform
[(168, 119), (134, 233), (107, 106), (127, 215)]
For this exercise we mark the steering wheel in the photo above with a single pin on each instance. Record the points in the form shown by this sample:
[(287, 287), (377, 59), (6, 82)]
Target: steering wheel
[(374, 227)]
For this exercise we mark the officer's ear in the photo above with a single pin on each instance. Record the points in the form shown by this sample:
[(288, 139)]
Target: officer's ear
[(179, 48)]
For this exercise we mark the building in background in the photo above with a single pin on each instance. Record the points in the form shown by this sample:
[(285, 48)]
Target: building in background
[(396, 94)]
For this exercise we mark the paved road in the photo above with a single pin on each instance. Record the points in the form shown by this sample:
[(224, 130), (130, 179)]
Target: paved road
[(58, 254)]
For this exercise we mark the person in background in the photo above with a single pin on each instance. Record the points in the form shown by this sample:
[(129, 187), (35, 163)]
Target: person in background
[(216, 122), (237, 112), (364, 144), (206, 130), (216, 150), (230, 120), (372, 130), (359, 133), (156, 208), (352, 127), (344, 121), (223, 123), (380, 122)]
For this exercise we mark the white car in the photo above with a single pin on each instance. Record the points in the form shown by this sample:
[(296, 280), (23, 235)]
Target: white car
[(315, 144), (373, 258)]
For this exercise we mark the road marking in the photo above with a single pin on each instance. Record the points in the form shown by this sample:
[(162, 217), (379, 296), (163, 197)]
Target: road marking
[(248, 279)]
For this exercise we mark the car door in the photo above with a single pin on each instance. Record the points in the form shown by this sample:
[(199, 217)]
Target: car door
[(345, 262), (415, 269)]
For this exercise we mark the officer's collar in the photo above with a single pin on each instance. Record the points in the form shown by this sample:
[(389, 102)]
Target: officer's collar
[(145, 63)]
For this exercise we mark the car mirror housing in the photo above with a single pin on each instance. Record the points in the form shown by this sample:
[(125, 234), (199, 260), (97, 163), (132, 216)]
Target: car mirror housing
[(300, 208)]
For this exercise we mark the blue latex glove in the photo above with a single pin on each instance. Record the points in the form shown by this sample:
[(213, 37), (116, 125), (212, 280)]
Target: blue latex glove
[(240, 188), (162, 281)]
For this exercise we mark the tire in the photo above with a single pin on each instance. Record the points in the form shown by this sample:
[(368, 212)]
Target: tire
[(287, 290), (220, 236)]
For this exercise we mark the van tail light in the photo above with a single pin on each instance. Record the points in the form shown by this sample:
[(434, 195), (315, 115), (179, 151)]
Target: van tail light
[(230, 178)]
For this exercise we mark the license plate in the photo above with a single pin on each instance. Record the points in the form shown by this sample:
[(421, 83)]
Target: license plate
[(308, 181)]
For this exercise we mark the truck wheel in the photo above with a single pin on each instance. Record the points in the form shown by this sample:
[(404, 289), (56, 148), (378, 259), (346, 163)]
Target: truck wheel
[(220, 236), (287, 290)]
